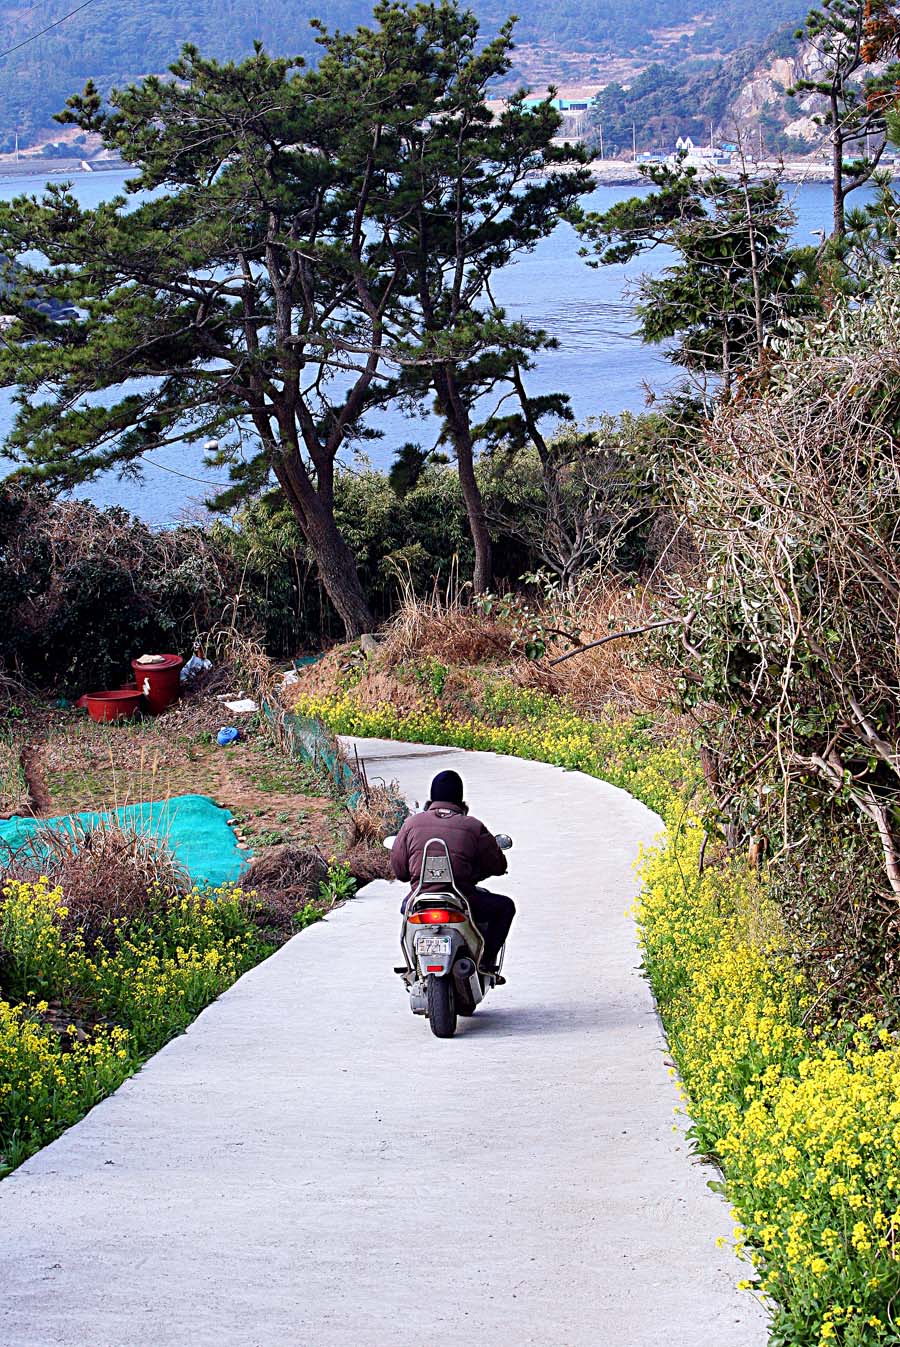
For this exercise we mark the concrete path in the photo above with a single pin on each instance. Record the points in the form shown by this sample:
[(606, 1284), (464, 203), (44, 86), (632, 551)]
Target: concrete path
[(309, 1167)]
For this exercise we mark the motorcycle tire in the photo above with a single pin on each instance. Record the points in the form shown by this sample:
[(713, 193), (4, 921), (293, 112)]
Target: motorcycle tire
[(441, 1003)]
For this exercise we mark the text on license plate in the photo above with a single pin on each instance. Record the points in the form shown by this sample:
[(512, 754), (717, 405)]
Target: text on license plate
[(433, 944)]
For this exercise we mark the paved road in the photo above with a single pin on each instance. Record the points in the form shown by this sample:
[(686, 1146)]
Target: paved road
[(309, 1167)]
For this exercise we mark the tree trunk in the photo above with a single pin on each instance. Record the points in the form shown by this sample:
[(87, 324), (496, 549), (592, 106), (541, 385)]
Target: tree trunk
[(337, 568), (478, 525), (837, 173), (457, 418), (334, 560), (754, 263)]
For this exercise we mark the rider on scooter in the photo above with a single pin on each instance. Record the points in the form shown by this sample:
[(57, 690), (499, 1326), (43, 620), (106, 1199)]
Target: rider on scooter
[(474, 855)]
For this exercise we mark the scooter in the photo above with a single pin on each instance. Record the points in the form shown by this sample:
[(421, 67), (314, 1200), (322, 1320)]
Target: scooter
[(442, 947)]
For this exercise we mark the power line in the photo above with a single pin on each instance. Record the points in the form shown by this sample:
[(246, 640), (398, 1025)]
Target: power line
[(204, 481), (34, 36)]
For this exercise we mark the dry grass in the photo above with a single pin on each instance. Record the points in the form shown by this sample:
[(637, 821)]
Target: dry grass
[(379, 816), (451, 630), (617, 673), (462, 645), (444, 627), (107, 872), (14, 793), (367, 861), (247, 662)]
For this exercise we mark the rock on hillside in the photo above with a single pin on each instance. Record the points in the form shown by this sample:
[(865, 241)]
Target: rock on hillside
[(764, 96)]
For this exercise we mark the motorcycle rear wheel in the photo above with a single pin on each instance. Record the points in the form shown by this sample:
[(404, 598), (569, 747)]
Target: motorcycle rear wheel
[(441, 1006)]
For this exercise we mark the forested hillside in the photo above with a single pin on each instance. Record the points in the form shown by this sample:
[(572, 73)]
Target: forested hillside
[(668, 100), (113, 43)]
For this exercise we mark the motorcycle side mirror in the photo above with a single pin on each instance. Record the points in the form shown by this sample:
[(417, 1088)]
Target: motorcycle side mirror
[(388, 842), (504, 842)]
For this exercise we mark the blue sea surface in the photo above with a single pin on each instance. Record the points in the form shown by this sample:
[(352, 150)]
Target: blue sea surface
[(600, 361)]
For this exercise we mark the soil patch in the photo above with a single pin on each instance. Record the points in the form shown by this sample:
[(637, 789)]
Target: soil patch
[(73, 764), (39, 800)]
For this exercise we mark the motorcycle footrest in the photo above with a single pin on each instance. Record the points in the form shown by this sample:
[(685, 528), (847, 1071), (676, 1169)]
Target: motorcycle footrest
[(402, 968)]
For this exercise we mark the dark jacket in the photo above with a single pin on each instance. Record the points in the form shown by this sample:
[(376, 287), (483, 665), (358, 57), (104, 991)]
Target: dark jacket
[(474, 853)]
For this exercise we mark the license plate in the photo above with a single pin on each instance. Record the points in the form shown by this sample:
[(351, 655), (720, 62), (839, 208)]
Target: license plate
[(433, 944)]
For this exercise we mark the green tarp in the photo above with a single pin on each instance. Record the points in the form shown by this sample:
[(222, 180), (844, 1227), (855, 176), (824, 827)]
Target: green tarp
[(193, 826)]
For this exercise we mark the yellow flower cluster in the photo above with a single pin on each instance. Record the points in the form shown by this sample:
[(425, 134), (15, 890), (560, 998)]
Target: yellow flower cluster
[(149, 979), (34, 952), (805, 1125), (159, 980), (533, 725), (42, 1089)]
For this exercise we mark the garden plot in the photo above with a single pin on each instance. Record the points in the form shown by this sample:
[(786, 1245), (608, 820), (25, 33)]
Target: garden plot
[(57, 762), (109, 945)]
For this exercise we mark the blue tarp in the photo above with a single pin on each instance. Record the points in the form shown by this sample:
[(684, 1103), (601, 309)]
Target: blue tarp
[(193, 826)]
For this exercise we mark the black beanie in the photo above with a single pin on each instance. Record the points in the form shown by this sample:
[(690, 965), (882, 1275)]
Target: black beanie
[(447, 788)]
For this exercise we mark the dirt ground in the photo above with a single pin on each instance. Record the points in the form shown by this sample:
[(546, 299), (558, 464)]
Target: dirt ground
[(70, 763)]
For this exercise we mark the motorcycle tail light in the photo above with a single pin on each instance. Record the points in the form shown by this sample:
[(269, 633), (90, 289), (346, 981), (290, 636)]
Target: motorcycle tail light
[(436, 916)]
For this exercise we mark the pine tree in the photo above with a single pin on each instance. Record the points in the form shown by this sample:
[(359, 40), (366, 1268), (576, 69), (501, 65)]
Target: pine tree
[(843, 37), (309, 245), (735, 277), (459, 192)]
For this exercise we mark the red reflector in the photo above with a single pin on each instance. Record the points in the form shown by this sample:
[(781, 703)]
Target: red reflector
[(435, 968), (436, 916)]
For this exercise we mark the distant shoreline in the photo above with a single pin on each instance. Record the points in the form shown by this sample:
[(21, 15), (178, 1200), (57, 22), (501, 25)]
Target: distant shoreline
[(606, 172), (621, 172), (59, 168)]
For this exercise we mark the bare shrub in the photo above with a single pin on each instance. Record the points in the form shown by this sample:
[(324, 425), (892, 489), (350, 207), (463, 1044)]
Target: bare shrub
[(379, 815), (367, 861), (582, 500), (68, 568), (279, 884), (287, 871), (107, 872), (794, 498)]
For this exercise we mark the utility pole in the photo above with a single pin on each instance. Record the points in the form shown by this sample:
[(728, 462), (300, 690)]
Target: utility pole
[(17, 144), (633, 144), (601, 140)]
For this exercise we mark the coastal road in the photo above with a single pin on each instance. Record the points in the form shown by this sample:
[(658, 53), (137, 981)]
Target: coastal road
[(309, 1167)]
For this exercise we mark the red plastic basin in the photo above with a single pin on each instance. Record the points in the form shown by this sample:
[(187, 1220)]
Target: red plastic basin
[(118, 705), (160, 683)]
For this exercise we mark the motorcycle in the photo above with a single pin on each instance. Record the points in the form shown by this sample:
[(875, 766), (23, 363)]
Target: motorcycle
[(442, 946)]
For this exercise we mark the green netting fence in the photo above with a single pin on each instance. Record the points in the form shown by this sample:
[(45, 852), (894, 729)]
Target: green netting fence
[(306, 739)]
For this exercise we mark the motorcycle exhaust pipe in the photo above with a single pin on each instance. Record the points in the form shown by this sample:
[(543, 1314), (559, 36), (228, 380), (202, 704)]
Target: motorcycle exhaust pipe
[(465, 974)]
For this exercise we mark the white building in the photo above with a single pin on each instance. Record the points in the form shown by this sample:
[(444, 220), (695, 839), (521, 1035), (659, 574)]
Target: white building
[(707, 157)]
